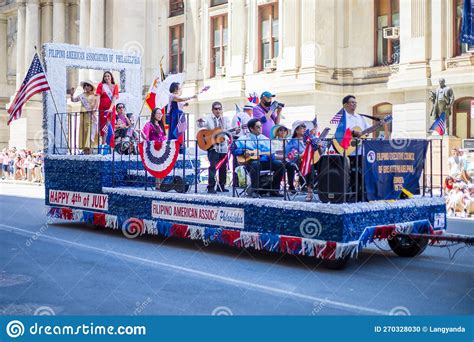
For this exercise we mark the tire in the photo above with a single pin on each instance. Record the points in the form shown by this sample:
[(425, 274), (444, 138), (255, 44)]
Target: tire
[(407, 247)]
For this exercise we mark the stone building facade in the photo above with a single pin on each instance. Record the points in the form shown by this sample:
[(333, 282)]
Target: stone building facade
[(388, 53)]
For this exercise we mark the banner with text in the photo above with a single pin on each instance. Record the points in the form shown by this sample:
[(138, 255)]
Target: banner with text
[(389, 167), (79, 199), (216, 216)]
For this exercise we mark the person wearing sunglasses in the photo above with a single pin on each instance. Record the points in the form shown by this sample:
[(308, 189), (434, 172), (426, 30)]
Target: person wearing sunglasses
[(218, 151), (256, 146)]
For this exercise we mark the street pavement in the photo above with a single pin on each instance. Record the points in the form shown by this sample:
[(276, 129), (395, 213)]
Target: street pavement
[(74, 269)]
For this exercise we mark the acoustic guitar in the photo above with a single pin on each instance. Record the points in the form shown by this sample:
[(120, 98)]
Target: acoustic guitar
[(251, 155), (363, 134), (206, 138)]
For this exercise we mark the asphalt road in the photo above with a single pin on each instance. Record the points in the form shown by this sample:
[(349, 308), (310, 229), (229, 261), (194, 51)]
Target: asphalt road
[(71, 269)]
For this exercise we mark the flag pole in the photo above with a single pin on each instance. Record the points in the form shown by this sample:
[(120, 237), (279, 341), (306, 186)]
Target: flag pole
[(54, 101), (144, 101)]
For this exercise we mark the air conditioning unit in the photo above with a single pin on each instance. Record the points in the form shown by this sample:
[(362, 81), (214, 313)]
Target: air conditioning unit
[(270, 64), (220, 71), (468, 144), (391, 32)]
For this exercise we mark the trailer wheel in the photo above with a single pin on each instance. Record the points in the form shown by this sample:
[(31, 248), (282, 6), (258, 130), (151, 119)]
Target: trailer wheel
[(407, 247)]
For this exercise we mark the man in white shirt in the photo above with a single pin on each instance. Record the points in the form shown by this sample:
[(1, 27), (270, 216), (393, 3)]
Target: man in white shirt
[(354, 120), (218, 151)]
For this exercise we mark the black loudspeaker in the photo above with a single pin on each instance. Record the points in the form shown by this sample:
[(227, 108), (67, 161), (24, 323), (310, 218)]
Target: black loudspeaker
[(334, 179)]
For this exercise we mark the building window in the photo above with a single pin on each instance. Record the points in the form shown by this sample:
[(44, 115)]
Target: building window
[(381, 111), (176, 7), (458, 47), (218, 2), (387, 14), (268, 33), (462, 118), (176, 49), (219, 46)]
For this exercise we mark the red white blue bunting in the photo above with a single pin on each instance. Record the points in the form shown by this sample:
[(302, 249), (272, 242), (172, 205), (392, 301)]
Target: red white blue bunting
[(159, 158), (321, 249)]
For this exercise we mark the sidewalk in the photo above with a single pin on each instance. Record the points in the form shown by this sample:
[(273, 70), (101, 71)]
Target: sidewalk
[(20, 182)]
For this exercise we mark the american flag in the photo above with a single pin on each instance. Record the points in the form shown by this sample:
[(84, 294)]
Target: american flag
[(35, 82), (253, 97), (181, 127), (336, 118), (307, 159), (440, 124)]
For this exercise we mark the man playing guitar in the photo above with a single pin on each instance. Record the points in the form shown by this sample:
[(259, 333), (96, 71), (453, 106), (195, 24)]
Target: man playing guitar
[(254, 148), (219, 150)]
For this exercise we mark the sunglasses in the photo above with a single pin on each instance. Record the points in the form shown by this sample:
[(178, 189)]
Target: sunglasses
[(120, 107), (217, 108)]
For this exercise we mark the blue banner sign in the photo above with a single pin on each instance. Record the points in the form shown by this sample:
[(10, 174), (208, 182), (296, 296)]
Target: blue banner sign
[(390, 167)]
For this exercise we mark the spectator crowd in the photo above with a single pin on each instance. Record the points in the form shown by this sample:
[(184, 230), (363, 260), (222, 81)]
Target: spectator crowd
[(459, 186), (22, 164)]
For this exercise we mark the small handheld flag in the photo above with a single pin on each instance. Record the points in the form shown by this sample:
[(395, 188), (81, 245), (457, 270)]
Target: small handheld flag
[(343, 133), (336, 118), (439, 125), (180, 127)]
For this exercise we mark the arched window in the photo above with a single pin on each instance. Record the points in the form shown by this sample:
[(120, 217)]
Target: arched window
[(463, 123), (381, 111)]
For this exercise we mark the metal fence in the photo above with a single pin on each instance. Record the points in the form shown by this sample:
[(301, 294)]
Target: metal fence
[(339, 175)]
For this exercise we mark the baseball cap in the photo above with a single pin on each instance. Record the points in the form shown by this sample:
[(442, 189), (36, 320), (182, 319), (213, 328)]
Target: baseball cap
[(267, 94)]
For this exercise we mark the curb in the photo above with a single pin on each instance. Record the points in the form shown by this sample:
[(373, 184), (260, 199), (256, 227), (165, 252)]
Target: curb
[(18, 182)]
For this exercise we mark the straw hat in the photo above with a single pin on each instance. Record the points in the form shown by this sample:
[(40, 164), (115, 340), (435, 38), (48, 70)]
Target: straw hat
[(89, 82), (274, 130)]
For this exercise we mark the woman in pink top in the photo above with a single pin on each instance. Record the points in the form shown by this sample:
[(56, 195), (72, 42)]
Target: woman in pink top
[(154, 130)]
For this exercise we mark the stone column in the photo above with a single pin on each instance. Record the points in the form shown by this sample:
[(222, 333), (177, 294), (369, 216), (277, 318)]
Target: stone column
[(97, 29), (32, 31), (20, 53), (290, 43), (310, 51), (438, 31), (84, 31), (47, 22), (237, 38), (3, 49), (59, 22)]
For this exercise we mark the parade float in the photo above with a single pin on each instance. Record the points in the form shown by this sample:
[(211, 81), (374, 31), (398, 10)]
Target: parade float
[(114, 192)]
